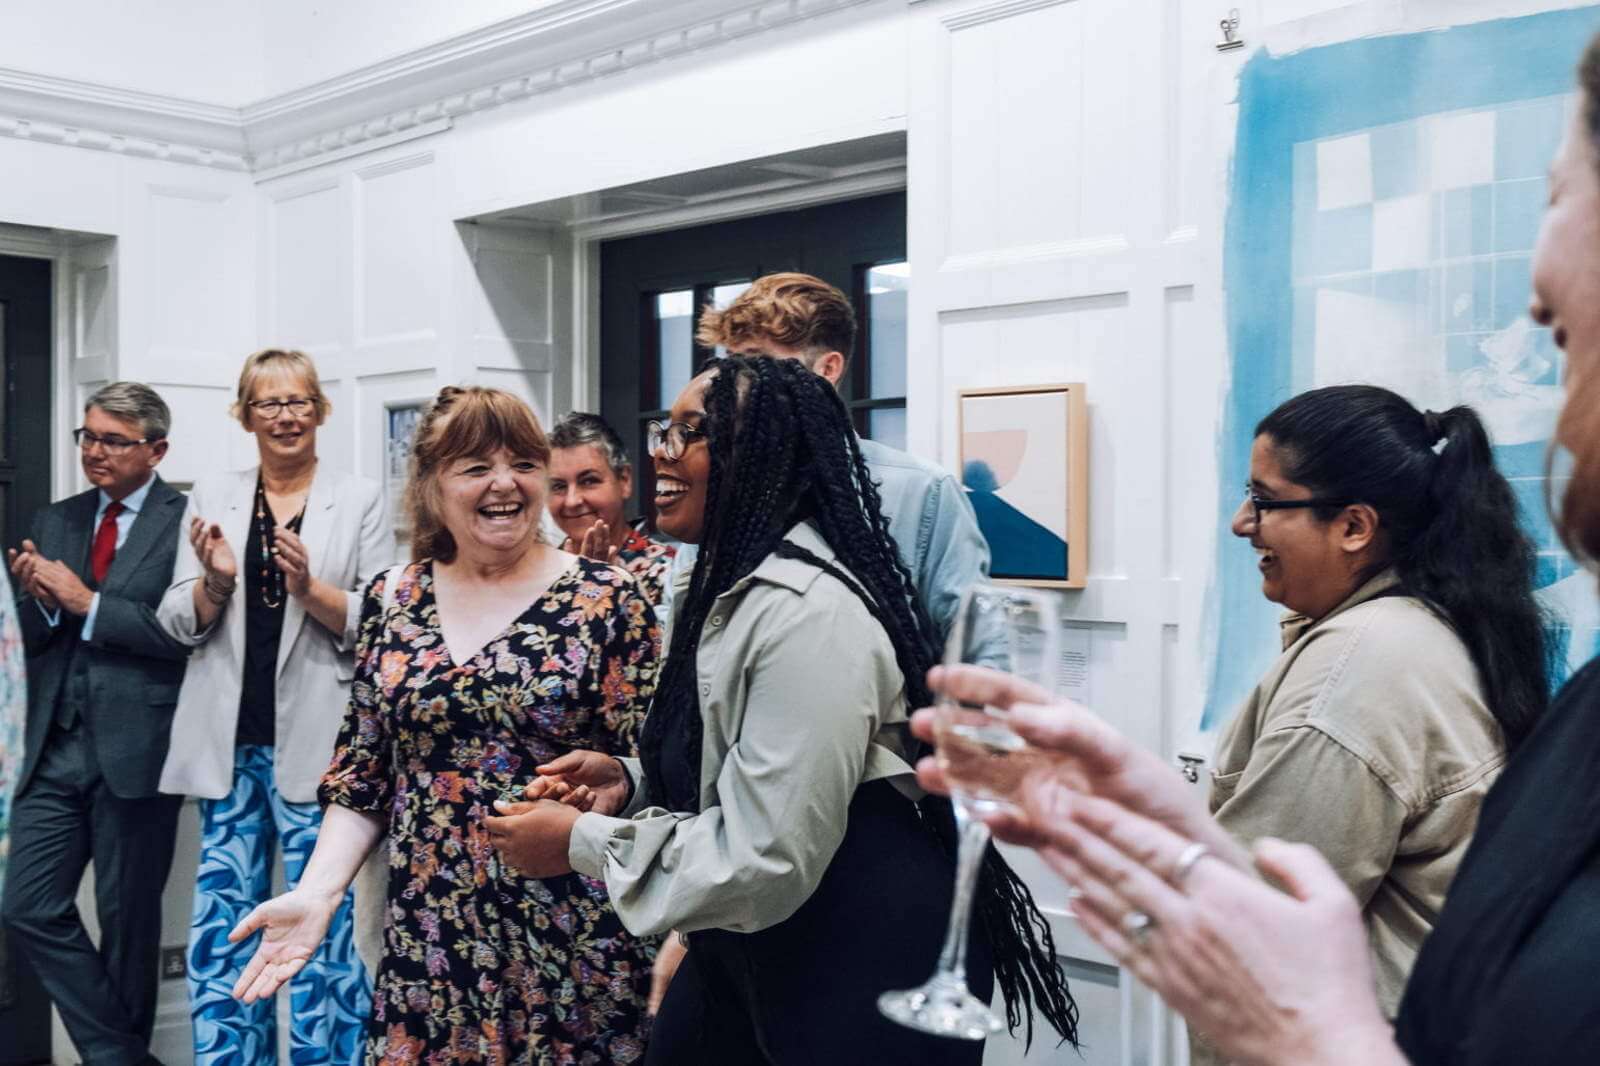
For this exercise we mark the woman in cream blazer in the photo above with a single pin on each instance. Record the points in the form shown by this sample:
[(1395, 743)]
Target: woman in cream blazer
[(268, 595)]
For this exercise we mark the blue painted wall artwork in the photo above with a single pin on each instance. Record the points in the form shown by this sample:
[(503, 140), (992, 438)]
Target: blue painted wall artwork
[(1384, 200)]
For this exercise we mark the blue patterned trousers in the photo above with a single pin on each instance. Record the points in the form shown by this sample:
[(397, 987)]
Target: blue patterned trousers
[(330, 998)]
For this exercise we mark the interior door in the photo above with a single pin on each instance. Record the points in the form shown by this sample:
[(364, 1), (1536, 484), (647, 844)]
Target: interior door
[(25, 403)]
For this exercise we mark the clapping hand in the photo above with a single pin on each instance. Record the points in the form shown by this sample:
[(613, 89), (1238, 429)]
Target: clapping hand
[(24, 567), (212, 549), (51, 582), (1088, 757), (1266, 976), (596, 544), (290, 555)]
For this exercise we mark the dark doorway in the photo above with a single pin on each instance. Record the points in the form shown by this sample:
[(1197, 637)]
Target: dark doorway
[(25, 395), (25, 404), (653, 288)]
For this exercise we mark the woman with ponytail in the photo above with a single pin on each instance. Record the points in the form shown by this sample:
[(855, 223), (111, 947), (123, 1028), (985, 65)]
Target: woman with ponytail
[(773, 816), (1413, 652)]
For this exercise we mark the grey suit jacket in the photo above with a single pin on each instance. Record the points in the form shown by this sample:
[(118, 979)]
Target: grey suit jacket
[(348, 536), (134, 666)]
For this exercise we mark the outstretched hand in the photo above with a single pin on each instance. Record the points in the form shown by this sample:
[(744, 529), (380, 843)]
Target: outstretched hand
[(291, 926)]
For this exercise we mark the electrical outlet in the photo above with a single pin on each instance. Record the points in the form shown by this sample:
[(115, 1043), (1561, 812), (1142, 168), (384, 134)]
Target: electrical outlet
[(174, 963)]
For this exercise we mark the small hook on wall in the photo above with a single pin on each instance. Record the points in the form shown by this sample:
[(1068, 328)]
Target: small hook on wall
[(1230, 33)]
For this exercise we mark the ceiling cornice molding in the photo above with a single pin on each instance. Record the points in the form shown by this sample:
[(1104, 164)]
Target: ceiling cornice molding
[(558, 45)]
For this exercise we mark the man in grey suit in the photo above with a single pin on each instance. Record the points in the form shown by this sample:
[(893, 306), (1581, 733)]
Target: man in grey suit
[(103, 680)]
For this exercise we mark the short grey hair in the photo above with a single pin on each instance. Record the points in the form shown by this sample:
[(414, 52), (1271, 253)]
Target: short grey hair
[(133, 402), (580, 428)]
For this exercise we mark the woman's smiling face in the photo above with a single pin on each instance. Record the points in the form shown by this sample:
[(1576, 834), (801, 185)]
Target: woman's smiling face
[(492, 501), (681, 483)]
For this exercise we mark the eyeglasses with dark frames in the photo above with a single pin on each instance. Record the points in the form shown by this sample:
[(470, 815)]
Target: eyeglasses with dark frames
[(299, 406), (673, 438), (1262, 503), (86, 439)]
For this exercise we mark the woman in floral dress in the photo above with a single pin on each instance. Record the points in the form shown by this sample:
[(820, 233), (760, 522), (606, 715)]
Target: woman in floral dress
[(488, 655)]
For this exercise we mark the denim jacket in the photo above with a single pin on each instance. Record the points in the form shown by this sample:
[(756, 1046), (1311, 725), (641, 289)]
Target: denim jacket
[(932, 523)]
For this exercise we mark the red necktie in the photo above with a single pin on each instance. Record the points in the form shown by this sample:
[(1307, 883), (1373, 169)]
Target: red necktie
[(105, 543)]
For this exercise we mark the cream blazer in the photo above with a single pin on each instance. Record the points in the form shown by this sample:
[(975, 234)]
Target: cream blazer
[(349, 538)]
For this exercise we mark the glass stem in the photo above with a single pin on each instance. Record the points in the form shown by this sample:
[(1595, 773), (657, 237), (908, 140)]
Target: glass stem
[(973, 841)]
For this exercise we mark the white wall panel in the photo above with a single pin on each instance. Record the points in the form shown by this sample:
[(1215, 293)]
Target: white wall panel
[(397, 247), (202, 289), (336, 439), (205, 440), (307, 280), (1066, 340), (1011, 184), (534, 387)]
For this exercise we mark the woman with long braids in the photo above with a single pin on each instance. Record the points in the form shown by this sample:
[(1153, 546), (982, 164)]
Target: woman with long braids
[(774, 818)]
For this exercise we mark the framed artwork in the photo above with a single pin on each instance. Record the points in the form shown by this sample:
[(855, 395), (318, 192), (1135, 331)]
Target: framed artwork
[(1024, 464), (400, 419)]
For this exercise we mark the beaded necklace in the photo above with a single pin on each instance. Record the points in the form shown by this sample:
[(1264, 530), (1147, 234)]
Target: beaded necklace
[(270, 578)]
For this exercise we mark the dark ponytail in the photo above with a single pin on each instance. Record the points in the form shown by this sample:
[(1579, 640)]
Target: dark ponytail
[(1451, 518), (782, 450)]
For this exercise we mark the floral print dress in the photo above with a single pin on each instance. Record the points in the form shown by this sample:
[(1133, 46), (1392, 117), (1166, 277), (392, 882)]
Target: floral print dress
[(648, 560), (480, 964)]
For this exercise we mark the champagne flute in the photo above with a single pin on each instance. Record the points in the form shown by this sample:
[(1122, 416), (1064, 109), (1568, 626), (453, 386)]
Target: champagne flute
[(983, 762)]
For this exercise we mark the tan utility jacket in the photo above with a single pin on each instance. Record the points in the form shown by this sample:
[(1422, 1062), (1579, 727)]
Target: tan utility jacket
[(1368, 738)]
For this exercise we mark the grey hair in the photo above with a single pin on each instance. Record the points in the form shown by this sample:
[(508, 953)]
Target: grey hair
[(134, 402), (580, 428)]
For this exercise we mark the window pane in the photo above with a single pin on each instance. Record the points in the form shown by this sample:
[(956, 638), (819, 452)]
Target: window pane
[(887, 425), (674, 326), (887, 288), (723, 295)]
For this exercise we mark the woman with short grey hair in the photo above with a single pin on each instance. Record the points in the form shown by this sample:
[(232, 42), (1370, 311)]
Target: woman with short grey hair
[(591, 479)]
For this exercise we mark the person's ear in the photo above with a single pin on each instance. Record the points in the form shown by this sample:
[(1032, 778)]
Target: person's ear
[(830, 365), (625, 479), (1358, 527), (158, 451)]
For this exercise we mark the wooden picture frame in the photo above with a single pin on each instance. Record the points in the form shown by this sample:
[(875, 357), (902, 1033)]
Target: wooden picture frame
[(1024, 462)]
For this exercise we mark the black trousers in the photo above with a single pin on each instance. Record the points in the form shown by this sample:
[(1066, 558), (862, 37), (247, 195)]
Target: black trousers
[(64, 818), (805, 992)]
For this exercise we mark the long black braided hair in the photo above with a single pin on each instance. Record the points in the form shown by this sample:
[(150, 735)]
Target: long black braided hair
[(782, 451)]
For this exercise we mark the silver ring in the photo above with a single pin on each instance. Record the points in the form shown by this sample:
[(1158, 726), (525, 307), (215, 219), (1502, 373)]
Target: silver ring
[(1138, 925), (1187, 859)]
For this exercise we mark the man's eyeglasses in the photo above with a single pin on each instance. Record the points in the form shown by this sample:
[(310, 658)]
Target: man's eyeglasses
[(299, 406), (85, 440), (1261, 503), (672, 439)]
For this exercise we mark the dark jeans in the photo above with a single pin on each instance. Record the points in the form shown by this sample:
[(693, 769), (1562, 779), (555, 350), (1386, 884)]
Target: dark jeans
[(64, 818), (805, 992)]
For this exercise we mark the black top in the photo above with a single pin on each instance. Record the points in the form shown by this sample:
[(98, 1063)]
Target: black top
[(264, 597), (1508, 975)]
